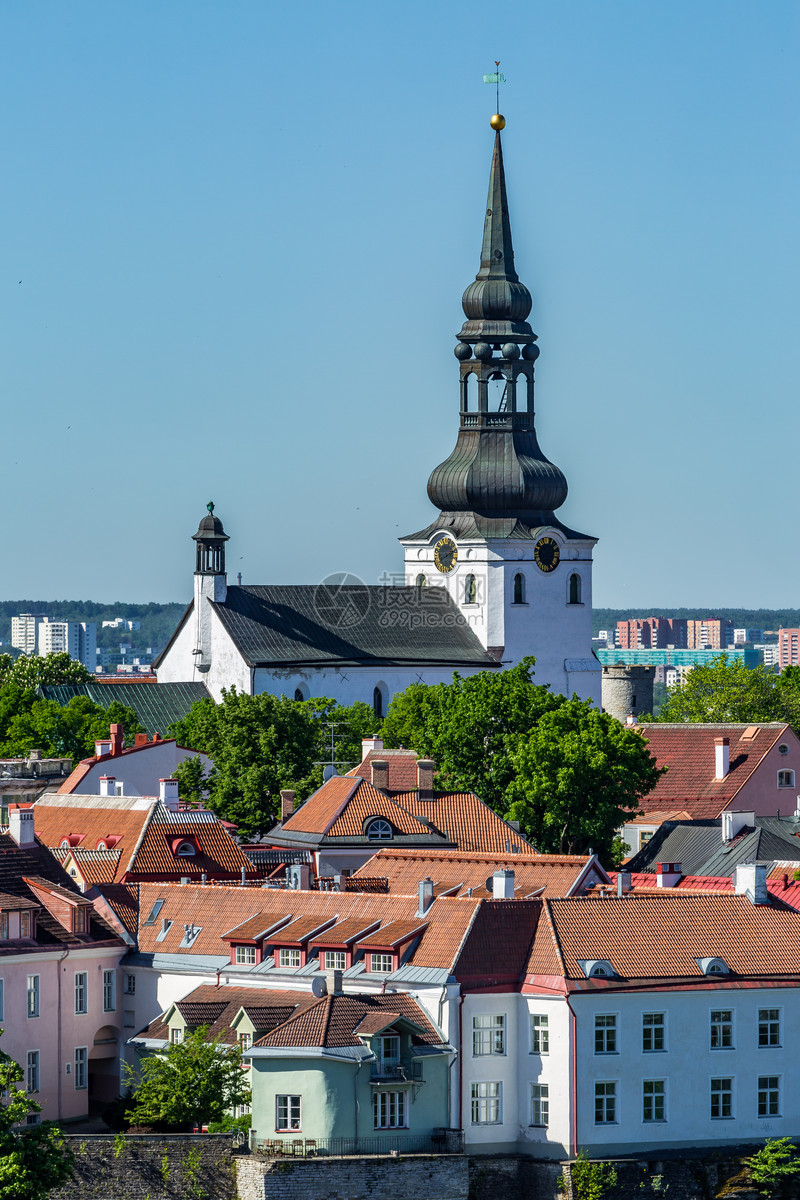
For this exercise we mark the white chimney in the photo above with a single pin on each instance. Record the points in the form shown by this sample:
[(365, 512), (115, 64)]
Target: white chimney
[(734, 822), (751, 880), (425, 892), (370, 743), (623, 883), (333, 980), (722, 757), (300, 877), (20, 825), (668, 874), (102, 746), (503, 885), (108, 785), (168, 794)]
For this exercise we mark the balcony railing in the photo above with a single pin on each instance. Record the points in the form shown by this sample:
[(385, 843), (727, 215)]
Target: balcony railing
[(392, 1070), (438, 1141)]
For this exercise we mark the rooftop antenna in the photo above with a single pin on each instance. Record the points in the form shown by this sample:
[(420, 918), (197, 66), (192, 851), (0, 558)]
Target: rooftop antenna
[(330, 764), (496, 77)]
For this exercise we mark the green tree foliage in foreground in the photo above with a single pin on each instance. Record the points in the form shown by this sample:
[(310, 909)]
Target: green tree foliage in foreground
[(261, 744), (776, 1161), (33, 1158), (28, 722), (727, 690), (590, 1180), (193, 1082), (567, 772)]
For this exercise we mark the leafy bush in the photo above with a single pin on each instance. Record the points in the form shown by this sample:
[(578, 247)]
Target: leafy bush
[(774, 1162), (590, 1180)]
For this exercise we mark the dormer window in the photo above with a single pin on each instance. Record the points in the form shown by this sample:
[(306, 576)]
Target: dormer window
[(80, 920), (185, 850), (25, 925), (713, 966), (379, 830), (102, 846), (4, 926), (597, 968)]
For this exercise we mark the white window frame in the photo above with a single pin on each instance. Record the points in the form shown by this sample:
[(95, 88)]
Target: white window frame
[(788, 780), (720, 1028), (245, 956), (81, 993), (292, 1106), (540, 1033), (33, 995), (770, 1024), (130, 985), (651, 1032), (540, 1105), (339, 960), (488, 1035), (32, 1072), (110, 991), (378, 963), (289, 952), (245, 1040), (769, 1087), (608, 1100), (80, 1072), (487, 1105), (176, 1035), (605, 1033), (379, 830), (650, 1101), (720, 1093)]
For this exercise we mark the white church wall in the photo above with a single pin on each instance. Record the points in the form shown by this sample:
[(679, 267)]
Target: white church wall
[(348, 684)]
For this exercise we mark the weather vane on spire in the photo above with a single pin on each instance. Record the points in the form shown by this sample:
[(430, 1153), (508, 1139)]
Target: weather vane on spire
[(210, 507), (497, 121)]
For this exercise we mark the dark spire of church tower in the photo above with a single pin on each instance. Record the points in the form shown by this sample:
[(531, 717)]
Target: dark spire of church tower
[(210, 539), (497, 482)]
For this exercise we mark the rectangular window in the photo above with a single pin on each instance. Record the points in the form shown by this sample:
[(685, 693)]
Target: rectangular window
[(81, 992), (24, 924), (109, 991), (387, 1051), (289, 958), (335, 960), (654, 1100), (769, 1096), (384, 963), (540, 1034), (486, 1103), (389, 1110), (287, 1114), (605, 1033), (246, 955), (245, 1040), (721, 1029), (80, 920), (176, 1036), (769, 1027), (33, 996), (130, 985), (721, 1099), (653, 1033), (540, 1104), (488, 1035), (605, 1103), (4, 925), (81, 1078), (32, 1081)]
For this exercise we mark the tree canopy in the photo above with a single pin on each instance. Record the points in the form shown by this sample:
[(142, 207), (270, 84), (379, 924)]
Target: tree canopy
[(31, 671), (33, 1158), (189, 1083), (726, 690)]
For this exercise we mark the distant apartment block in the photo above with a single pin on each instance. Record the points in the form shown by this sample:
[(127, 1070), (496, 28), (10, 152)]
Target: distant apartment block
[(78, 639), (770, 654), (122, 623), (788, 648), (25, 632), (747, 635), (646, 633), (713, 633)]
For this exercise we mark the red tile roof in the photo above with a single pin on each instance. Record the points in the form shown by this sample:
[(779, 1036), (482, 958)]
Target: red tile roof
[(216, 1007), (344, 1020), (402, 768), (687, 751), (557, 874)]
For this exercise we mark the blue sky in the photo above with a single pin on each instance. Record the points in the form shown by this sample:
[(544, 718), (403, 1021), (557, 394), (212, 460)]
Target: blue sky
[(242, 232)]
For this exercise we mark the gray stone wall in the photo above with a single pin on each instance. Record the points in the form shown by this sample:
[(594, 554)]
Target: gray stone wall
[(161, 1167), (406, 1177), (627, 691)]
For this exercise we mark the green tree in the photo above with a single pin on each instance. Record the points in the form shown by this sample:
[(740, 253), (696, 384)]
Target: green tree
[(190, 1083), (590, 1180), (776, 1161), (27, 721), (470, 727), (259, 745), (577, 775), (30, 671), (192, 780), (33, 1158), (725, 690)]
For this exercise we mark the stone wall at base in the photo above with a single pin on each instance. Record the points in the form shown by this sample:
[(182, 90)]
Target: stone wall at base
[(385, 1177), (158, 1167)]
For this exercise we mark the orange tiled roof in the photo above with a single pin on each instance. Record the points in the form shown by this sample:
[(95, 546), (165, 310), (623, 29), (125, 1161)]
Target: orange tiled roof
[(467, 821), (91, 825), (658, 937), (687, 751), (556, 873), (216, 1007), (218, 853), (402, 768), (339, 1020)]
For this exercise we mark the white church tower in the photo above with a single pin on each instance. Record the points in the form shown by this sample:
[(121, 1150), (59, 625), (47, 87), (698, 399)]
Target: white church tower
[(520, 577)]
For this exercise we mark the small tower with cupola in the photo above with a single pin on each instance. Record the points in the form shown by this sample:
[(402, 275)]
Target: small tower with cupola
[(521, 578), (210, 583)]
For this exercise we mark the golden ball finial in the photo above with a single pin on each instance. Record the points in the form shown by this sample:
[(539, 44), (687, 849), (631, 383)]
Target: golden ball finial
[(497, 122)]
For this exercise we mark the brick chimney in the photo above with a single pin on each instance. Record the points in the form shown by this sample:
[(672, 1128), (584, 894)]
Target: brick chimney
[(117, 734), (380, 774), (140, 739), (107, 785), (425, 769), (722, 757), (287, 803)]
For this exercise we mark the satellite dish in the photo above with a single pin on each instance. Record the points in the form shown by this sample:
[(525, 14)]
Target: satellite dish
[(319, 988)]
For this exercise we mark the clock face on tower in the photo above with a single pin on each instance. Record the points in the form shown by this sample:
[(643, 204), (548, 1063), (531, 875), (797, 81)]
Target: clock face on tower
[(546, 554), (445, 555)]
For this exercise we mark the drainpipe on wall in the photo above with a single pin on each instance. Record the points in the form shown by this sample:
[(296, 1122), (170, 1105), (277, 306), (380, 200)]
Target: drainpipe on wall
[(64, 956), (574, 1081), (460, 1064), (355, 1101)]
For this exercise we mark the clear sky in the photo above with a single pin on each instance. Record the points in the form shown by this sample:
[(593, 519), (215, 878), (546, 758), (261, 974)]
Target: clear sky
[(236, 236)]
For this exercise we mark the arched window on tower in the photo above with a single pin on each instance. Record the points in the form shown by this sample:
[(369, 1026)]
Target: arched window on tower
[(421, 580), (298, 694), (575, 589), (377, 702), (469, 393), (470, 590), (519, 589), (499, 393)]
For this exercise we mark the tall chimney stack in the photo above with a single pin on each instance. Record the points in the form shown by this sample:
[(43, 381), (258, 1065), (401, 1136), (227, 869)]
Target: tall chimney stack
[(287, 803), (425, 769), (380, 774), (722, 757)]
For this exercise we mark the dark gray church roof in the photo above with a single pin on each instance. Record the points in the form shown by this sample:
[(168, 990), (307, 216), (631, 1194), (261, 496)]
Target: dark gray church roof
[(356, 625), (157, 705)]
